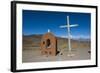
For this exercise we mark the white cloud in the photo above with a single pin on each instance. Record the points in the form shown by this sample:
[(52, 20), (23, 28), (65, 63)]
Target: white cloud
[(77, 37)]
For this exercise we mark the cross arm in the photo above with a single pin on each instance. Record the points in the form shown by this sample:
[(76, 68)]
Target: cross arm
[(64, 26)]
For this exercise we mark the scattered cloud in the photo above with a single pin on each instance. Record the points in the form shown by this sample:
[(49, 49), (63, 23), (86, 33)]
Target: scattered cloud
[(77, 37)]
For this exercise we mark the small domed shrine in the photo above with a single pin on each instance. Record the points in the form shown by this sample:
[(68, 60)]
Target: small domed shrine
[(49, 44)]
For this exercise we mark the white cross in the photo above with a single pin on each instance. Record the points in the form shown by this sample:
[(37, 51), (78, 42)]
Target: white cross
[(69, 35), (48, 30)]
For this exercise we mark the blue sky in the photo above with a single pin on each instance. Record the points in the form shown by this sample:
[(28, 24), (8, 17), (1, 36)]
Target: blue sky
[(38, 22)]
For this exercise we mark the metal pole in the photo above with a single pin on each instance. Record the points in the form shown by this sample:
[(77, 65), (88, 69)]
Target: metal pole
[(69, 37)]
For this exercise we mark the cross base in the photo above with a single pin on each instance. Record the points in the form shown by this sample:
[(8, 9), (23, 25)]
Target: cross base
[(70, 54)]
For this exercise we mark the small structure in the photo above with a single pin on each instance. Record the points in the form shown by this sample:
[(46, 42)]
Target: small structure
[(49, 44)]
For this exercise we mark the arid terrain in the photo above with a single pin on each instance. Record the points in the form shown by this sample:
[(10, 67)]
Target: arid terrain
[(32, 53)]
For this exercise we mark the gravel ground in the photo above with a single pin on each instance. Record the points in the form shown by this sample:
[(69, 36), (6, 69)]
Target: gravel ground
[(35, 55)]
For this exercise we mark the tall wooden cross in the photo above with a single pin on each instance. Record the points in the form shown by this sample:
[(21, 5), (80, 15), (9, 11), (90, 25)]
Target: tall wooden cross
[(68, 26)]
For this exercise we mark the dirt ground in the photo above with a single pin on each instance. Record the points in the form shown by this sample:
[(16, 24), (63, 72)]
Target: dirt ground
[(35, 55)]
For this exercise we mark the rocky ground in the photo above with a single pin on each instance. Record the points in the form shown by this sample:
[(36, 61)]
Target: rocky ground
[(32, 53), (35, 55)]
